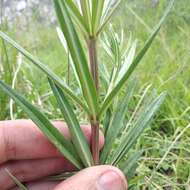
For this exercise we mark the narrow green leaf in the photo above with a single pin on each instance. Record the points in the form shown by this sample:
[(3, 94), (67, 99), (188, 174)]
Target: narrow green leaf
[(127, 62), (86, 11), (109, 8), (17, 182), (116, 124), (77, 135), (136, 61), (131, 164), (97, 11), (115, 47), (143, 121), (111, 84), (104, 75), (107, 121), (64, 43), (106, 45), (78, 56), (46, 70), (77, 17), (138, 107), (56, 138), (129, 45), (62, 176)]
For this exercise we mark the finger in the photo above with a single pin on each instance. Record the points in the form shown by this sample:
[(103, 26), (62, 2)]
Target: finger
[(21, 139), (31, 170), (39, 186), (96, 178)]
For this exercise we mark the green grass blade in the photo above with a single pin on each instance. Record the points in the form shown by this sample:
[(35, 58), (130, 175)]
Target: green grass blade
[(56, 138), (143, 121), (116, 124), (136, 62), (77, 135), (132, 183), (17, 182), (78, 56), (97, 11), (45, 70)]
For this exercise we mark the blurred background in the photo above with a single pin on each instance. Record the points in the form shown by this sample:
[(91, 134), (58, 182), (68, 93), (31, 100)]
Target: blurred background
[(166, 66)]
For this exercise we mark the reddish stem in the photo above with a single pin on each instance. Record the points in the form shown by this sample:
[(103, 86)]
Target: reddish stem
[(95, 142), (94, 72)]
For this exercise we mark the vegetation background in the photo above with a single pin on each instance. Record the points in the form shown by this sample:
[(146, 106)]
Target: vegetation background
[(166, 144)]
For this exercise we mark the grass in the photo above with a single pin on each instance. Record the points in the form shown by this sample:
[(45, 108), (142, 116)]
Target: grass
[(166, 67)]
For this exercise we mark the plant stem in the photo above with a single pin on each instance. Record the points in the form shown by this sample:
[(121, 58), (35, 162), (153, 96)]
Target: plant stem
[(94, 72), (95, 142), (93, 61)]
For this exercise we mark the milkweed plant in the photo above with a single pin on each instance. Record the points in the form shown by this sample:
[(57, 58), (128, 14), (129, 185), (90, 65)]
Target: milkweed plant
[(81, 31)]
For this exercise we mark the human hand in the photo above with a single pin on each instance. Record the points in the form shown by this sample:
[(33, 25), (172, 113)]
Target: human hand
[(30, 157)]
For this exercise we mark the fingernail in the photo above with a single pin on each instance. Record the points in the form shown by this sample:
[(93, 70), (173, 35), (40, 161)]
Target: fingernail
[(111, 181)]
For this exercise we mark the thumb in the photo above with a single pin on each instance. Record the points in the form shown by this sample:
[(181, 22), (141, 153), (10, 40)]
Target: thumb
[(95, 178)]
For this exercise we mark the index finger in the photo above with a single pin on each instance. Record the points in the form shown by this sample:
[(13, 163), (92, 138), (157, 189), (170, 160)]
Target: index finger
[(21, 139)]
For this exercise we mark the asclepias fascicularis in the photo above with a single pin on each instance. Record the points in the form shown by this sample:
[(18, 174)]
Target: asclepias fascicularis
[(82, 26)]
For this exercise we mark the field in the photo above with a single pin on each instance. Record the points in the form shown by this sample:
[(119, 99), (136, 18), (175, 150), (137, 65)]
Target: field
[(165, 163)]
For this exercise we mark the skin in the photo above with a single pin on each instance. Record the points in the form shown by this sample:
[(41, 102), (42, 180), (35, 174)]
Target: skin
[(30, 157)]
